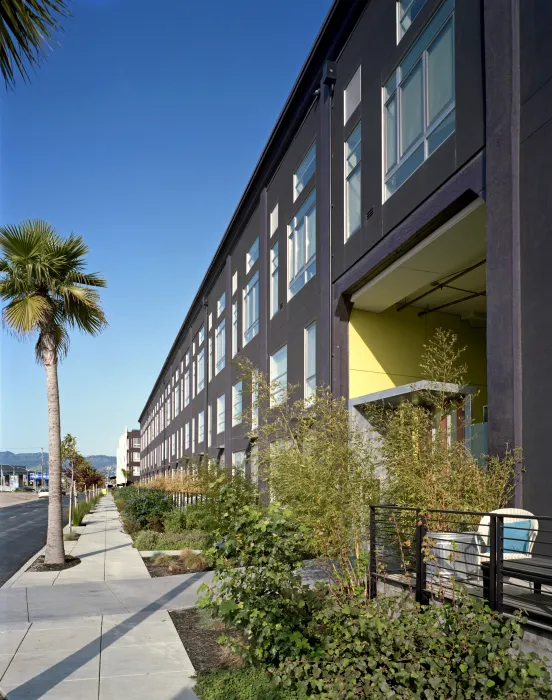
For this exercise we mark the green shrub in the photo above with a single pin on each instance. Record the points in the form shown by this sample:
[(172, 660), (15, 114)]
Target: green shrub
[(192, 539), (146, 539), (265, 600), (143, 504), (201, 516), (175, 520), (393, 648), (131, 525), (241, 684), (77, 516), (156, 522)]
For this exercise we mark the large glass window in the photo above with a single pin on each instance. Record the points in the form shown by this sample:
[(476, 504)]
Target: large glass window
[(304, 172), (406, 12), (220, 347), (201, 427), (237, 403), (278, 376), (235, 282), (187, 436), (209, 425), (220, 414), (176, 399), (419, 100), (251, 309), (274, 301), (187, 387), (201, 370), (255, 399), (221, 304), (274, 220), (252, 255), (234, 328), (210, 358), (310, 360), (353, 157), (302, 246), (351, 96), (238, 461)]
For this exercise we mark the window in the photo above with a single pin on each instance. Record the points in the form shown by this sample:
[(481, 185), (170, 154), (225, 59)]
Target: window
[(136, 442), (234, 283), (251, 309), (252, 255), (220, 347), (135, 456), (210, 320), (220, 414), (406, 12), (201, 427), (176, 400), (209, 425), (234, 328), (278, 376), (187, 387), (201, 335), (193, 435), (274, 280), (254, 400), (173, 444), (302, 246), (194, 377), (254, 464), (274, 220), (210, 358), (187, 436), (353, 157), (304, 172), (238, 461), (135, 471), (419, 101), (310, 361), (351, 96), (237, 403), (187, 358), (221, 304), (201, 370)]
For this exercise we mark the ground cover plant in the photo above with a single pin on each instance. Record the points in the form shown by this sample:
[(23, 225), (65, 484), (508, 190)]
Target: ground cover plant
[(187, 539)]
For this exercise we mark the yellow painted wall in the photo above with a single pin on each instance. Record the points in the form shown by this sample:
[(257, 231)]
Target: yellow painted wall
[(385, 350)]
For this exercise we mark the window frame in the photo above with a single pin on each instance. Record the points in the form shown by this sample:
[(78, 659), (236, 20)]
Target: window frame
[(307, 393), (250, 297), (274, 220), (358, 71), (274, 399), (347, 178), (201, 370), (308, 159), (221, 402), (200, 427), (220, 332), (274, 280), (252, 256), (221, 304), (400, 30), (237, 400), (235, 327), (308, 269)]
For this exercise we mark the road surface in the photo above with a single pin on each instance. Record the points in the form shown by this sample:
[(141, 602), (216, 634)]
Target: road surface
[(23, 533)]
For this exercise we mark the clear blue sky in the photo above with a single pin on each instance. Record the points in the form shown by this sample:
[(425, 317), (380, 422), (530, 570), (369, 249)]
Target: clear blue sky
[(140, 133)]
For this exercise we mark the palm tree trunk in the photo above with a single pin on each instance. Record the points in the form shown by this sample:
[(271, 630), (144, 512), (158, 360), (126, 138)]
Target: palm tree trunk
[(55, 552)]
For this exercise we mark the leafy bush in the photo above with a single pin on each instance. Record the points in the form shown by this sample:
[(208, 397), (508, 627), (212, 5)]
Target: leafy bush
[(175, 520), (241, 684), (201, 516), (156, 522), (265, 599), (131, 525), (143, 504), (392, 648), (188, 539)]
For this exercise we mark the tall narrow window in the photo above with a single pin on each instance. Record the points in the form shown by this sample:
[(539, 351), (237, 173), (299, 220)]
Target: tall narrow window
[(220, 414), (187, 387), (201, 335), (193, 435), (419, 108), (251, 308), (278, 376), (210, 320), (237, 403), (252, 255), (200, 427), (194, 379), (238, 461), (304, 172), (209, 425), (302, 246), (407, 10), (177, 399), (274, 220), (221, 304), (235, 329), (187, 358), (310, 361), (210, 358), (353, 159), (187, 435), (351, 96), (234, 282), (220, 347), (255, 400), (201, 370), (274, 301)]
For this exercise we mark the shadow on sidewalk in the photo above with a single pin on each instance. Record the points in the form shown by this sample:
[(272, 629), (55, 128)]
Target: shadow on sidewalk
[(51, 677)]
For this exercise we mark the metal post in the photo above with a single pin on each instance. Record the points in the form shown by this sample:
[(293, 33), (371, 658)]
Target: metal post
[(373, 581), (492, 561), (421, 595)]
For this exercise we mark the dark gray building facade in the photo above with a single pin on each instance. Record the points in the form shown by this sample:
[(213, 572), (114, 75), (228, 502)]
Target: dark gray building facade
[(404, 187)]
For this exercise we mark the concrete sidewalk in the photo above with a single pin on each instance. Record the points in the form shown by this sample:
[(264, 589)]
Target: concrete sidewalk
[(100, 630)]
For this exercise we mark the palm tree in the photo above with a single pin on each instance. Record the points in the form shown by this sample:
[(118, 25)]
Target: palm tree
[(25, 27), (48, 292)]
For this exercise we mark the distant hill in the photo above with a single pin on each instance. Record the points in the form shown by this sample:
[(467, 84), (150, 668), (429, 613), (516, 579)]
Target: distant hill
[(32, 459)]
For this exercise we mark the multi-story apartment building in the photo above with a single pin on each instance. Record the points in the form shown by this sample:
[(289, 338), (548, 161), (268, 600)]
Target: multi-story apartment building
[(404, 187), (128, 458)]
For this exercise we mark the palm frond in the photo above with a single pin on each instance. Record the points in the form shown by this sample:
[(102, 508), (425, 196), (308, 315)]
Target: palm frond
[(25, 315), (88, 279), (25, 28), (82, 309)]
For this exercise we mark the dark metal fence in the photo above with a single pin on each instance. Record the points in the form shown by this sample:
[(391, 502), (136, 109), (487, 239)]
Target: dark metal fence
[(182, 499), (504, 557)]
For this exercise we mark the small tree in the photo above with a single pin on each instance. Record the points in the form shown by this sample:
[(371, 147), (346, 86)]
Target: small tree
[(317, 463)]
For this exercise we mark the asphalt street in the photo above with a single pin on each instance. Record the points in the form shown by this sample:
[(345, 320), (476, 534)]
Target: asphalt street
[(23, 533)]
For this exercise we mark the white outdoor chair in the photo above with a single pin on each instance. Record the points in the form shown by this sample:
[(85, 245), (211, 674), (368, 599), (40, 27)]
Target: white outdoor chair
[(515, 515)]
